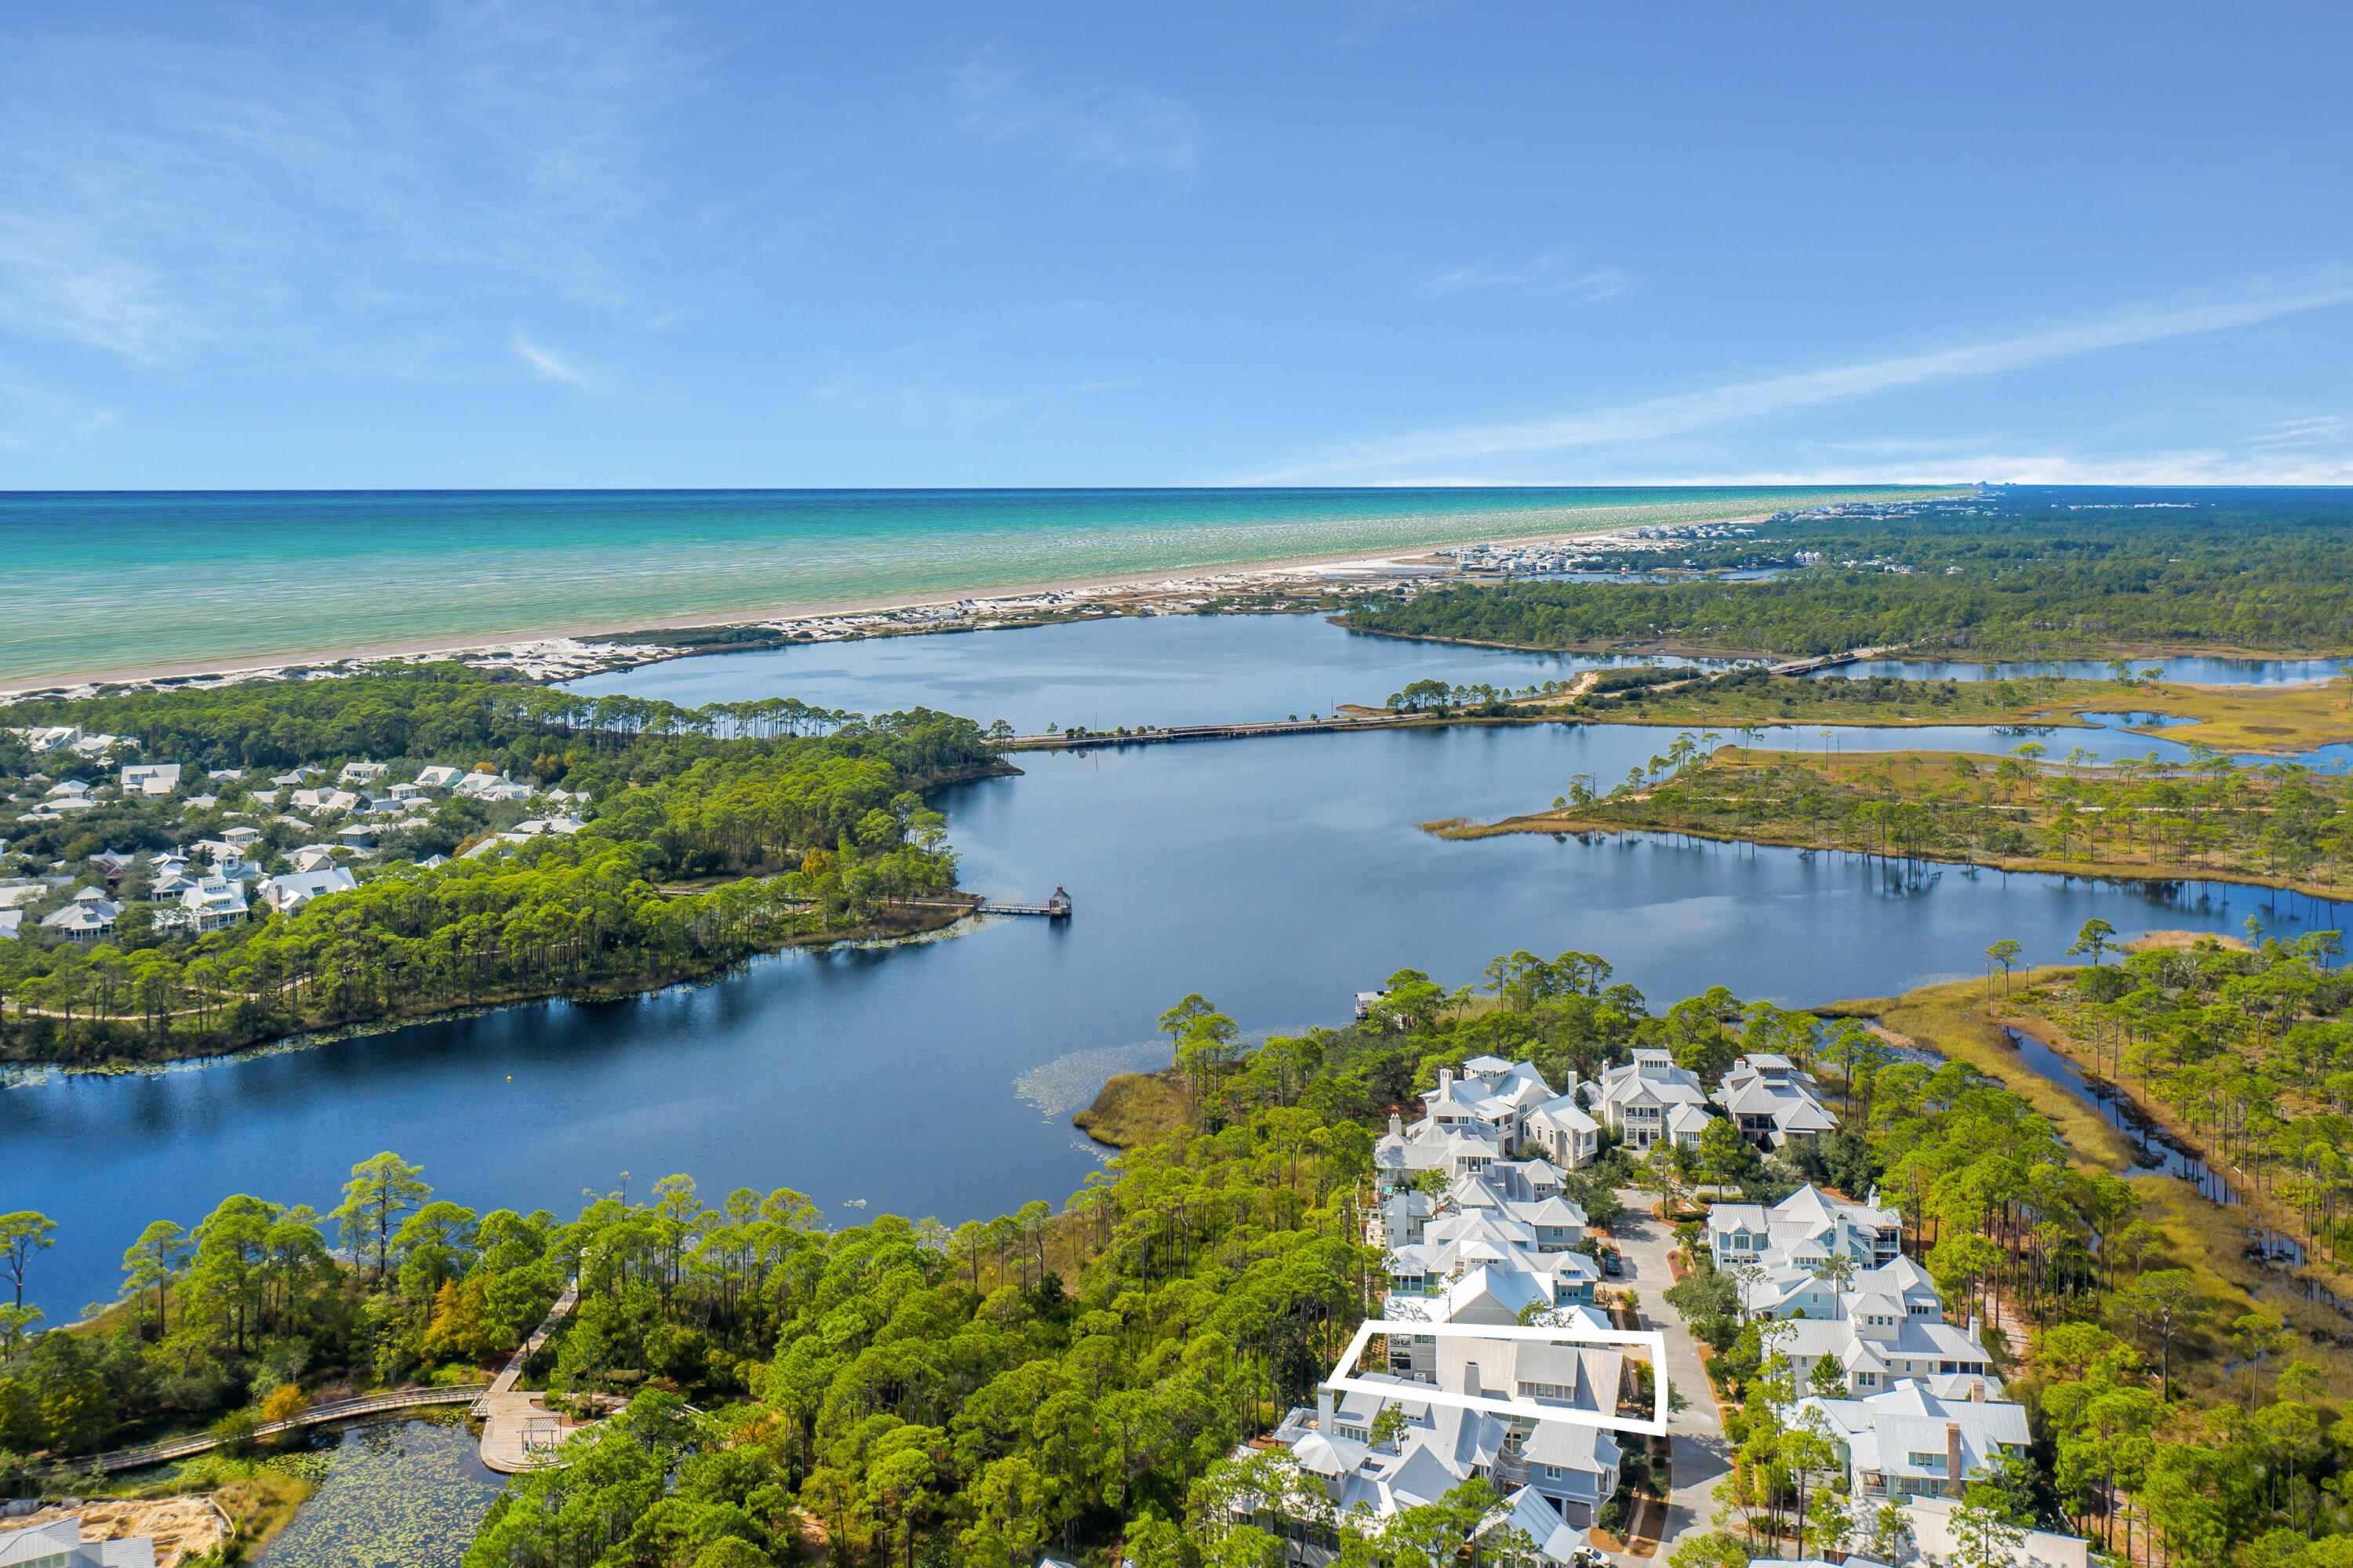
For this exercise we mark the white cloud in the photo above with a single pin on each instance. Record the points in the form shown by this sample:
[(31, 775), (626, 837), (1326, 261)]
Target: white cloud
[(550, 365), (1548, 274), (275, 187), (1091, 135), (1655, 418)]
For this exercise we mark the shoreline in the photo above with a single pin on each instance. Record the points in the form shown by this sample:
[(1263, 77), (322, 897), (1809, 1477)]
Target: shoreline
[(1668, 648), (1403, 564), (927, 921)]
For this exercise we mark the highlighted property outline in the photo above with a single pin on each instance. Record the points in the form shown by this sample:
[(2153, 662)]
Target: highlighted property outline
[(1429, 1394)]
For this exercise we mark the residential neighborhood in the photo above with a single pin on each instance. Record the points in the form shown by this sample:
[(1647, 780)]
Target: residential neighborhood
[(157, 850)]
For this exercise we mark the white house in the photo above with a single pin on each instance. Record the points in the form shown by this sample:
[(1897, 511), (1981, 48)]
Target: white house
[(363, 772), (90, 917), (1908, 1442), (1772, 1102), (1634, 1100), (1804, 1228), (1933, 1542), (151, 778), (12, 924), (290, 891), (438, 778), (1568, 1467), (215, 903)]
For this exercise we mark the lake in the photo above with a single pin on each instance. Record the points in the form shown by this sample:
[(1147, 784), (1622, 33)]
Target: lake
[(1277, 876)]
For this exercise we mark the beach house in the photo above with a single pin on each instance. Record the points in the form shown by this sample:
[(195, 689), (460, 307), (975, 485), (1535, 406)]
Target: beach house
[(1908, 1442), (1635, 1100), (1804, 1229), (1772, 1102)]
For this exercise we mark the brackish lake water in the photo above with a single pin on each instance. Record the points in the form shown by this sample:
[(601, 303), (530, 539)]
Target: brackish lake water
[(1276, 876)]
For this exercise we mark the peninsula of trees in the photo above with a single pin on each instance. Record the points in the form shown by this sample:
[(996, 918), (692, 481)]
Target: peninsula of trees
[(711, 834)]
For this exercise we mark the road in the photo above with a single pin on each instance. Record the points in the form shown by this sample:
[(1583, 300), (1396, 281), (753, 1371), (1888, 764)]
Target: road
[(1702, 1457)]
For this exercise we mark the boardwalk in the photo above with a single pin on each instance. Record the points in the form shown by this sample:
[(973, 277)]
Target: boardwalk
[(1197, 732), (339, 1410), (516, 1426)]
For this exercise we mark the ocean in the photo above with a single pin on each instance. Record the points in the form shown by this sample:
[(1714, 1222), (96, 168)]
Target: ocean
[(118, 582)]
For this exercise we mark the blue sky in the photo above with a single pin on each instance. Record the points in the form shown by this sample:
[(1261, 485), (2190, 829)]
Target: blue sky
[(639, 244)]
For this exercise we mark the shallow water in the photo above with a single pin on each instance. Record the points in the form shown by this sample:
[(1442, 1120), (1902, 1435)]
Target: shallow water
[(1277, 876), (2201, 671), (402, 1494), (1102, 675)]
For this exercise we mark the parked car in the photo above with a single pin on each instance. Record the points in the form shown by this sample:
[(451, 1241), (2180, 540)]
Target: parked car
[(1611, 1262)]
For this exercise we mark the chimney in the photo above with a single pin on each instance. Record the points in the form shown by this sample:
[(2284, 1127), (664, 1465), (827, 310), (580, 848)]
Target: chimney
[(1976, 1391), (1396, 1127), (1953, 1483), (1471, 1380), (1445, 1079), (1324, 1408)]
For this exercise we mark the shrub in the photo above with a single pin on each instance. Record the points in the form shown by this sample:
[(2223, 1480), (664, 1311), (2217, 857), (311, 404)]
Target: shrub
[(284, 1402), (235, 1431)]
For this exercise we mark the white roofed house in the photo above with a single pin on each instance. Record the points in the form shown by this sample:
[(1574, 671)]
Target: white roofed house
[(1561, 1128), (1804, 1228), (1908, 1442), (58, 1543), (1563, 1468), (438, 778), (213, 904), (1772, 1102), (1633, 1100), (361, 772), (290, 891), (151, 778), (88, 918)]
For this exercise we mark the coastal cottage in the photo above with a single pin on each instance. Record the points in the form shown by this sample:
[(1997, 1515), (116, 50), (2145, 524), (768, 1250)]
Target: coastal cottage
[(1907, 1442), (154, 780), (290, 891), (1634, 1100), (1773, 1103), (88, 919)]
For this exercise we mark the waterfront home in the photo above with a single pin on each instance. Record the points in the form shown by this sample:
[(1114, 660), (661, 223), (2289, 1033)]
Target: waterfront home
[(1908, 1442), (1772, 1102), (1806, 1228), (1633, 1100), (290, 891), (1400, 1155)]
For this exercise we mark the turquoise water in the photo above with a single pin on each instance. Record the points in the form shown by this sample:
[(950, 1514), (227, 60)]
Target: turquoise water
[(110, 583)]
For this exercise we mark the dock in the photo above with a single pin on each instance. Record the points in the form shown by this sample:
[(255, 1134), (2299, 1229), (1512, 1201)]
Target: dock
[(1168, 733), (1058, 907)]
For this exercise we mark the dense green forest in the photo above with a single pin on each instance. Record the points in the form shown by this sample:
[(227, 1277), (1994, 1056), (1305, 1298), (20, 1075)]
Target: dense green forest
[(1985, 582), (1072, 1381), (782, 832)]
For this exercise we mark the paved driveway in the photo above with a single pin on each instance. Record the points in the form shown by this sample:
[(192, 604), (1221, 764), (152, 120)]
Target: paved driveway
[(1702, 1457)]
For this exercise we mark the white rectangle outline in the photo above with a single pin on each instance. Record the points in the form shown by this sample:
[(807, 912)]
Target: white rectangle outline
[(1427, 1394)]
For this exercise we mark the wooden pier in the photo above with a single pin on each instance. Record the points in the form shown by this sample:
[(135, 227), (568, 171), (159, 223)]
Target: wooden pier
[(1055, 908), (1197, 732)]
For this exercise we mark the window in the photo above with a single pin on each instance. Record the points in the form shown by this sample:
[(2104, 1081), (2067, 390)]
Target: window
[(1867, 1380), (1545, 1391), (1926, 1461)]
